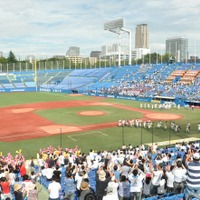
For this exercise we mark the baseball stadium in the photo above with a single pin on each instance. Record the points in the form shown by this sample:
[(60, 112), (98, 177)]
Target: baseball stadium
[(97, 109)]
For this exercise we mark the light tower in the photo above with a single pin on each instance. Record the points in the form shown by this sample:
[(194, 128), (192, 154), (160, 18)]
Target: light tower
[(116, 26)]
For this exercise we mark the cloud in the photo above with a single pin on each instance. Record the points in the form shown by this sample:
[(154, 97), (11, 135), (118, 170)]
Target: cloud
[(50, 26)]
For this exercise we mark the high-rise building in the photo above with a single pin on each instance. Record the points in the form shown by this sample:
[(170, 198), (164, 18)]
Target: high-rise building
[(178, 47), (73, 51), (95, 54), (142, 36)]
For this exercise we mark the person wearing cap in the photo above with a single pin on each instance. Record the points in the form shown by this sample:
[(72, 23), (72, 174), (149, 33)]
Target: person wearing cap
[(193, 173), (112, 190), (85, 190), (102, 183), (32, 192), (19, 192), (147, 185)]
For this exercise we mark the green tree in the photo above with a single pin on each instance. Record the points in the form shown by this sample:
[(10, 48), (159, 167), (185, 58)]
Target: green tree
[(166, 58), (11, 58), (3, 60)]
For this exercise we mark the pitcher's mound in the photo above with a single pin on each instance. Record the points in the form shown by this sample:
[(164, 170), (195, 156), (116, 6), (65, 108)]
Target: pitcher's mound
[(91, 113)]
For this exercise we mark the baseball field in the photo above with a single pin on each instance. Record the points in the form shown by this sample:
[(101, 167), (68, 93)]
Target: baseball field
[(33, 121)]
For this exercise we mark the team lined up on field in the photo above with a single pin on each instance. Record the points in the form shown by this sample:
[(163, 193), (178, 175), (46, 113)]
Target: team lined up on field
[(166, 106), (141, 123)]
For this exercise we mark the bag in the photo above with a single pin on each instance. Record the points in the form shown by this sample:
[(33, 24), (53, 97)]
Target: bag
[(90, 196)]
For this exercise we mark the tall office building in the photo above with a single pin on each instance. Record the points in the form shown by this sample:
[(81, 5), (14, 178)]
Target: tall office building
[(95, 54), (178, 47), (73, 51), (142, 36)]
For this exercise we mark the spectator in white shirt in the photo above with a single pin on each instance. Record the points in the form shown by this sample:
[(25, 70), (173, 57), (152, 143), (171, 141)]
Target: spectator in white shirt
[(170, 179), (179, 173)]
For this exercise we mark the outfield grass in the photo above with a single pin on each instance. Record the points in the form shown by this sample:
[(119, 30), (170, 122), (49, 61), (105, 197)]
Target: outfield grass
[(109, 139)]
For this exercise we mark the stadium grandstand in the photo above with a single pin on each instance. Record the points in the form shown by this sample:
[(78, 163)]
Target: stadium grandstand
[(125, 173), (177, 82)]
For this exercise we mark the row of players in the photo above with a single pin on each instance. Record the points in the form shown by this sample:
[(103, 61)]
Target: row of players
[(148, 124), (135, 123), (165, 106)]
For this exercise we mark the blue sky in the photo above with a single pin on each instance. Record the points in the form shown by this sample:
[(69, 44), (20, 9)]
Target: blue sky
[(48, 27)]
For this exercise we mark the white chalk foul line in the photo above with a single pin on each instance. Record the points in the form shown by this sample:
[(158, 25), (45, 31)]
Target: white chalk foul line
[(102, 133), (72, 138)]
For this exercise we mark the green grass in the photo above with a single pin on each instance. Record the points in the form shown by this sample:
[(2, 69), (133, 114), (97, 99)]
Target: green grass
[(71, 115), (109, 139)]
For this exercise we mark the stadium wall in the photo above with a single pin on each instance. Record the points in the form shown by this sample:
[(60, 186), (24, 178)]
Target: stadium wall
[(31, 89), (141, 99)]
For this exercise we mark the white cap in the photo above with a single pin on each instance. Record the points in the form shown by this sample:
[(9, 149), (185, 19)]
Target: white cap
[(196, 156)]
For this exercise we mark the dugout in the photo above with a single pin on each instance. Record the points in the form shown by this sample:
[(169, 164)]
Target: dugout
[(163, 99), (192, 103)]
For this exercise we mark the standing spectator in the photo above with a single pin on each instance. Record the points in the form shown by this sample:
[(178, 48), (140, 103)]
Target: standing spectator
[(136, 180), (54, 189), (111, 190), (22, 169), (85, 191), (161, 188), (49, 172), (117, 171), (125, 169), (193, 174), (147, 185), (170, 179), (5, 185), (69, 186), (57, 173), (101, 183), (19, 192), (179, 173), (157, 175), (32, 192), (124, 188)]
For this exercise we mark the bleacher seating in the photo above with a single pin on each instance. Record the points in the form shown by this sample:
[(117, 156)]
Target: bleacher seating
[(173, 80)]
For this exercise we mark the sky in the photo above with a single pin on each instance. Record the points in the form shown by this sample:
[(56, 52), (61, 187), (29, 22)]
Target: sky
[(44, 28)]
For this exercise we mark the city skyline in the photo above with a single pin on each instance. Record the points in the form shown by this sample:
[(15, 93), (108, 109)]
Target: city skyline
[(46, 27)]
